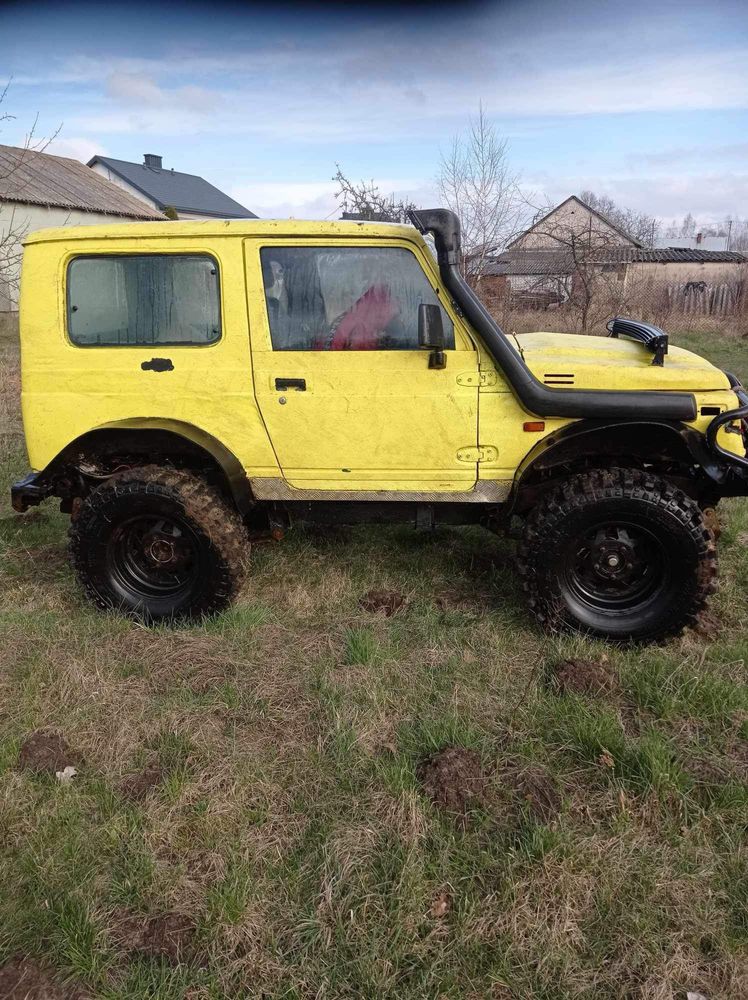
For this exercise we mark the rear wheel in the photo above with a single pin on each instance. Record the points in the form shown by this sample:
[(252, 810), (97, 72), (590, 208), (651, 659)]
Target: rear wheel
[(618, 553), (158, 543)]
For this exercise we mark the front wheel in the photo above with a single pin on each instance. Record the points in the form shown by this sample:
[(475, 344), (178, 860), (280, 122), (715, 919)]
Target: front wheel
[(618, 553), (158, 543)]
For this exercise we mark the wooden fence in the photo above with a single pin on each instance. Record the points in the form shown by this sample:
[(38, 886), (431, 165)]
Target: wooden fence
[(704, 298)]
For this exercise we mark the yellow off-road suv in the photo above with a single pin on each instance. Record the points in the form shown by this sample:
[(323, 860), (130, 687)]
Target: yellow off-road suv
[(183, 382)]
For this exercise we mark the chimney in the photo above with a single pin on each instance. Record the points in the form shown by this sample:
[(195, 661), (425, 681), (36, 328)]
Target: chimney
[(151, 160), (699, 237)]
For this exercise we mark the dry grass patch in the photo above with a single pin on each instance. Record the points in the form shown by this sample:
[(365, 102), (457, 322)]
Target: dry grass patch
[(266, 805)]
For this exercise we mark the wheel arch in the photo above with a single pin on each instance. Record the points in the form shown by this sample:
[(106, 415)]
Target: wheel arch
[(190, 445), (585, 442)]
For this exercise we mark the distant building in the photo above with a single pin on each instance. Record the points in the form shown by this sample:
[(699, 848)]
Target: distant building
[(541, 267), (697, 242), (38, 190), (162, 188), (572, 215)]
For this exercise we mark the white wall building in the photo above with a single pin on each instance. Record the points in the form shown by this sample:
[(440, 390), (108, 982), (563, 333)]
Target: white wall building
[(38, 190)]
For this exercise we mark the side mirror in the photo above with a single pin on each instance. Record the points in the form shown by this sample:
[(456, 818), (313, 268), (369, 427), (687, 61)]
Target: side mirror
[(431, 333)]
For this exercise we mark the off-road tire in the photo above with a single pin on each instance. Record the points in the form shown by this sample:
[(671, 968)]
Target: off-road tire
[(617, 505), (211, 532)]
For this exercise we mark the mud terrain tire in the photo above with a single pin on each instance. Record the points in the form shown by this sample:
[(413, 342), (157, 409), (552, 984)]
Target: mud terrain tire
[(158, 544), (618, 553)]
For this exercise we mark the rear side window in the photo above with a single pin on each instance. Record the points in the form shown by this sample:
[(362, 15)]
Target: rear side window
[(116, 301)]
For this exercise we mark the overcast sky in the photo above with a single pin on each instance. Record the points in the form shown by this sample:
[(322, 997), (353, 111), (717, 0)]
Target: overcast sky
[(644, 101)]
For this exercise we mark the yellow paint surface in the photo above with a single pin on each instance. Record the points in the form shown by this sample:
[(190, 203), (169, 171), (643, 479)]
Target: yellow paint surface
[(368, 420)]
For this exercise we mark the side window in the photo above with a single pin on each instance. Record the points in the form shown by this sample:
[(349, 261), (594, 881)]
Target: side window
[(346, 298), (143, 299)]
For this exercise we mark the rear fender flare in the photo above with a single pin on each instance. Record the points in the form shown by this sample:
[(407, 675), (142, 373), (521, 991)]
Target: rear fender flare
[(233, 472)]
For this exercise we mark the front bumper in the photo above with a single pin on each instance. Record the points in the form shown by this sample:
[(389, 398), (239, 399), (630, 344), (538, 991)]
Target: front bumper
[(733, 468), (29, 492)]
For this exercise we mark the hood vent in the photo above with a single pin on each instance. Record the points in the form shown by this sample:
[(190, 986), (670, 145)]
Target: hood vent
[(558, 378)]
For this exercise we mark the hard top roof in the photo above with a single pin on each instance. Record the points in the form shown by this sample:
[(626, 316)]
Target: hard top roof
[(273, 228)]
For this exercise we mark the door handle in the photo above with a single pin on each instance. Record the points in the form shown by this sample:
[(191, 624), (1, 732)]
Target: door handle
[(158, 365), (299, 384)]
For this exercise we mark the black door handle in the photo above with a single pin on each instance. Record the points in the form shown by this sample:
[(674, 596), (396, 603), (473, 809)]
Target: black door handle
[(158, 365), (299, 384)]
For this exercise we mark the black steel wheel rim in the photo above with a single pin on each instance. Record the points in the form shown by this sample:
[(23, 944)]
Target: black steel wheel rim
[(615, 567), (153, 558)]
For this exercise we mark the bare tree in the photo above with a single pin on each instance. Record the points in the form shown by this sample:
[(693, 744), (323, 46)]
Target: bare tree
[(639, 226), (732, 227), (13, 227), (363, 200), (737, 233), (476, 181), (685, 228), (584, 267)]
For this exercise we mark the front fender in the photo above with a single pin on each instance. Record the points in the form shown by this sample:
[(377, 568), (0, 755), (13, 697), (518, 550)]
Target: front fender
[(646, 440)]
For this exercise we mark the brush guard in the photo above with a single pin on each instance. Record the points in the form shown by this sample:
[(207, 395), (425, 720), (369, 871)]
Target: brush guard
[(653, 338), (737, 464)]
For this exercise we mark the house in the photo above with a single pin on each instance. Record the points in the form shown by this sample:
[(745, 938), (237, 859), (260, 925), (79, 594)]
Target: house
[(38, 190), (697, 242), (167, 190), (544, 265), (571, 216)]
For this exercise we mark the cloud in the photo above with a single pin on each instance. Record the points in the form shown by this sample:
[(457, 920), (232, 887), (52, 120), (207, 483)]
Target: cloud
[(709, 196), (316, 199), (279, 200), (677, 156), (307, 96), (284, 97), (76, 147), (134, 88), (379, 86)]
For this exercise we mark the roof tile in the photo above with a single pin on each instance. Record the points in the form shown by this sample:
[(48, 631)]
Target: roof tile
[(561, 261), (185, 192), (37, 178)]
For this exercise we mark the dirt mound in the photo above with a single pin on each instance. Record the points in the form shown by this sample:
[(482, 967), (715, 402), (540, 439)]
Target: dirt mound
[(136, 786), (454, 780), (388, 601), (22, 979), (166, 935), (595, 677), (47, 752), (536, 791)]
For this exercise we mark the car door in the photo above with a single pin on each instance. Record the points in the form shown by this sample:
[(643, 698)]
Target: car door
[(347, 396)]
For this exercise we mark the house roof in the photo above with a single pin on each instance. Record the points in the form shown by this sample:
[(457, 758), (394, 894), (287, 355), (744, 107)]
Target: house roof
[(530, 262), (37, 178), (185, 192), (598, 215), (562, 262), (668, 255)]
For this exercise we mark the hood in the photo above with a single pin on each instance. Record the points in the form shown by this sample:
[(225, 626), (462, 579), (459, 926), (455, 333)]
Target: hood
[(567, 360)]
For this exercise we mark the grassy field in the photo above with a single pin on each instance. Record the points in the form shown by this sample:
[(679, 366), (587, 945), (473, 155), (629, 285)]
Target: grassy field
[(261, 810)]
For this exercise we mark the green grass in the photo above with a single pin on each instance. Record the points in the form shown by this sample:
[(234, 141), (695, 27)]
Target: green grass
[(289, 820), (727, 352)]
